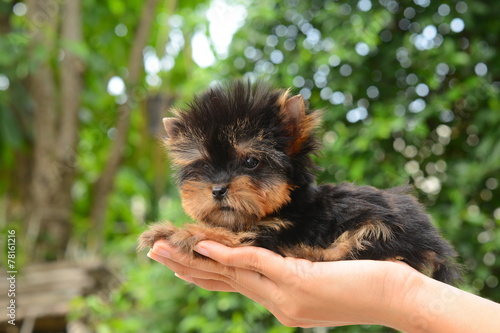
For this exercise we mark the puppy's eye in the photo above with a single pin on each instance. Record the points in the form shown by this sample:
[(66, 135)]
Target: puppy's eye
[(200, 164), (251, 162)]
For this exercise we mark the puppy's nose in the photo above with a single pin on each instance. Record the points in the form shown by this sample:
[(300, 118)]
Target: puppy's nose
[(219, 192)]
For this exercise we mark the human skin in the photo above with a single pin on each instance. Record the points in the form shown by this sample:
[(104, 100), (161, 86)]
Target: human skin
[(301, 293)]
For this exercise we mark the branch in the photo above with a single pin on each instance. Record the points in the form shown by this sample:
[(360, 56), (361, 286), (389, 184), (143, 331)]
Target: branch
[(5, 14), (71, 81)]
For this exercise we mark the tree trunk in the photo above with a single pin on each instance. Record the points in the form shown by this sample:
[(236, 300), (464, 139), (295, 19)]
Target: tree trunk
[(55, 128)]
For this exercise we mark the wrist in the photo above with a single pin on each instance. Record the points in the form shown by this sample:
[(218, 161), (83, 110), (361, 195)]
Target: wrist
[(402, 291), (423, 305)]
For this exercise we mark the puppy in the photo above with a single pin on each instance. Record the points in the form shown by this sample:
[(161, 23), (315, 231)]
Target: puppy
[(242, 155)]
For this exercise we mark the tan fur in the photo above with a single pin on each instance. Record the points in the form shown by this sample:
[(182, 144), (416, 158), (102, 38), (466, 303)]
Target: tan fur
[(247, 148), (283, 98), (305, 130), (304, 251), (184, 157), (189, 235), (196, 198), (359, 239), (300, 125), (347, 244), (248, 202), (274, 224), (430, 264)]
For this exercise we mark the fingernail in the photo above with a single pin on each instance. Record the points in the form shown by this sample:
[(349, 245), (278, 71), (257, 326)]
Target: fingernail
[(155, 257), (150, 253), (201, 250), (161, 252), (185, 278)]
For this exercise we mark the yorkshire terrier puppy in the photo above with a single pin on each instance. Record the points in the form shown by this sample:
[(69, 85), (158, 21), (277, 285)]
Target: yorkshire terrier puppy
[(245, 173)]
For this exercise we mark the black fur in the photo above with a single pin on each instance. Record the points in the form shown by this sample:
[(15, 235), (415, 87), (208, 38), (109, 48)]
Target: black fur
[(321, 214)]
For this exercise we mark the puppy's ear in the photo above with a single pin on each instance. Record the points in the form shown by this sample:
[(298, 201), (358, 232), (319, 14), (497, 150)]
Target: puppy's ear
[(294, 109), (299, 124), (170, 125)]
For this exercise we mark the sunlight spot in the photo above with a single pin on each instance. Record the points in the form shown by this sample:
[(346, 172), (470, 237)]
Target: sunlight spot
[(412, 167), (430, 185), (305, 92), (461, 7), (429, 32), (443, 130), (422, 90), (20, 9), (225, 19), (337, 98), (372, 92), (496, 213), (152, 64), (345, 70), (202, 53), (153, 80), (116, 86), (442, 69), (121, 30), (444, 10), (457, 25), (491, 183), (417, 105), (362, 48), (326, 93), (364, 5), (357, 114), (489, 259), (422, 3), (481, 69), (276, 57), (4, 82), (334, 60)]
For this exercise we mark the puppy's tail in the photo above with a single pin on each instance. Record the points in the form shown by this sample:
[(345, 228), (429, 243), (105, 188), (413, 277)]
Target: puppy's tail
[(448, 271)]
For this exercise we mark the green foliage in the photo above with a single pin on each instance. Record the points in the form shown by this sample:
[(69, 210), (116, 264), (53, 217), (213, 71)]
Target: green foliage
[(201, 311)]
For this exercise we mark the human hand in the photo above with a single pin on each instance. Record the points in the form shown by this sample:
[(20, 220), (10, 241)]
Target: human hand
[(298, 292)]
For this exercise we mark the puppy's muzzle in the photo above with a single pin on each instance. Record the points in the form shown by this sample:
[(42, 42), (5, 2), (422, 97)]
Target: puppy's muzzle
[(219, 192)]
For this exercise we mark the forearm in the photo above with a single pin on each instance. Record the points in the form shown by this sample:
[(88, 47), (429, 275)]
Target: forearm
[(432, 306)]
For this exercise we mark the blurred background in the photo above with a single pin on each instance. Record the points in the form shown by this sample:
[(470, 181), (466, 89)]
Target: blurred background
[(410, 91)]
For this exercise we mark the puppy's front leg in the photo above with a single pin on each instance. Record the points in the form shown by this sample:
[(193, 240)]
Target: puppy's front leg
[(189, 235)]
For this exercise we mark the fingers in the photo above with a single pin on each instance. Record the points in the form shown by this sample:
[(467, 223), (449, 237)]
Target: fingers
[(203, 272), (212, 275), (250, 258), (215, 285), (256, 269), (212, 285), (182, 264)]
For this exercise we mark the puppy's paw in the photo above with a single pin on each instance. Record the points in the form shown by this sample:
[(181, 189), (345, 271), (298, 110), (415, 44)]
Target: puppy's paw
[(156, 232), (186, 238)]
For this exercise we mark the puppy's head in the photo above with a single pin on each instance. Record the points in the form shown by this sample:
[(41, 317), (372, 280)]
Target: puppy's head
[(240, 151)]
